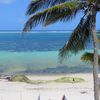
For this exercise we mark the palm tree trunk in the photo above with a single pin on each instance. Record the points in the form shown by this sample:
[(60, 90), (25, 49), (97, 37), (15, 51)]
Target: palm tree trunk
[(95, 63)]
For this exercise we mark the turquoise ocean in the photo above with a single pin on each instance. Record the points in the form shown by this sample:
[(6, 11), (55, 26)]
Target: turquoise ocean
[(38, 53)]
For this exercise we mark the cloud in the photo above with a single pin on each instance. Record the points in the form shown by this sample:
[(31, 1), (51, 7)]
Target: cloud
[(6, 1)]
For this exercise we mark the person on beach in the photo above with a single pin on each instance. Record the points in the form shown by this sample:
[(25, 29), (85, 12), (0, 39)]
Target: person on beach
[(64, 97), (38, 97)]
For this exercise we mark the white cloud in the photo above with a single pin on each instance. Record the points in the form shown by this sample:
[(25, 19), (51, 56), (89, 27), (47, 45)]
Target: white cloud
[(7, 1)]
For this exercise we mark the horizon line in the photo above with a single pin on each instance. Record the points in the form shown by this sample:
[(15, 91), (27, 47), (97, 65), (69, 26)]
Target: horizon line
[(35, 30)]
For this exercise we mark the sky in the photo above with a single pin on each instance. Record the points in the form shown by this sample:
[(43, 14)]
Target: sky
[(12, 17)]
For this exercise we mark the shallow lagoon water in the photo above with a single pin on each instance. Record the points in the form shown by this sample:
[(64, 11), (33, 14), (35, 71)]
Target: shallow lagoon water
[(38, 52), (29, 62)]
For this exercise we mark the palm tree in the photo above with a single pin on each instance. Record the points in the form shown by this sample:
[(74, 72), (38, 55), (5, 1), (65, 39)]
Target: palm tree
[(87, 57), (47, 12)]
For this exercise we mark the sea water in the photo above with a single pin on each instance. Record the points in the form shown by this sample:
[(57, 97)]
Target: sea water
[(38, 52)]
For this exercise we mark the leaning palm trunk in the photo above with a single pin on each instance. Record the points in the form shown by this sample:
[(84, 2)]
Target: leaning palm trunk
[(95, 63)]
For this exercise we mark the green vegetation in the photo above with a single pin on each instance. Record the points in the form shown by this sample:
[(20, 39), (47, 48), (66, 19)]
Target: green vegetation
[(87, 57), (23, 78), (69, 80)]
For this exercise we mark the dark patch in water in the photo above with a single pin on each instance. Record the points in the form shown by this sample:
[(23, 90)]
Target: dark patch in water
[(60, 70)]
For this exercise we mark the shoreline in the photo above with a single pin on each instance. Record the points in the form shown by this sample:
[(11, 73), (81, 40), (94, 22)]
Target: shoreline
[(48, 91)]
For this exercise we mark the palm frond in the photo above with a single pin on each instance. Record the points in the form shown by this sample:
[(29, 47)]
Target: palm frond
[(88, 57), (59, 12), (65, 13), (78, 40), (36, 5)]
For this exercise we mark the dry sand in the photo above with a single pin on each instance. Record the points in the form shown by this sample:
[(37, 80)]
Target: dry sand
[(48, 91)]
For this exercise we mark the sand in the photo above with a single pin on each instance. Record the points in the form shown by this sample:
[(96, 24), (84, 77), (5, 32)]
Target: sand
[(48, 91)]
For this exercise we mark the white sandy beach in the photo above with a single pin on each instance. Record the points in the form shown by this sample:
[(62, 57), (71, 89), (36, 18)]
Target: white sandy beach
[(48, 91)]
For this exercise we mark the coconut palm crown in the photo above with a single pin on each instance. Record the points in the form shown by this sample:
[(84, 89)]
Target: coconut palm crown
[(87, 57), (47, 12)]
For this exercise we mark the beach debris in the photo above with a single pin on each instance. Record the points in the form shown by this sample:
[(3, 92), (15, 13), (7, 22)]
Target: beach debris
[(83, 92), (38, 97), (6, 77), (64, 97)]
